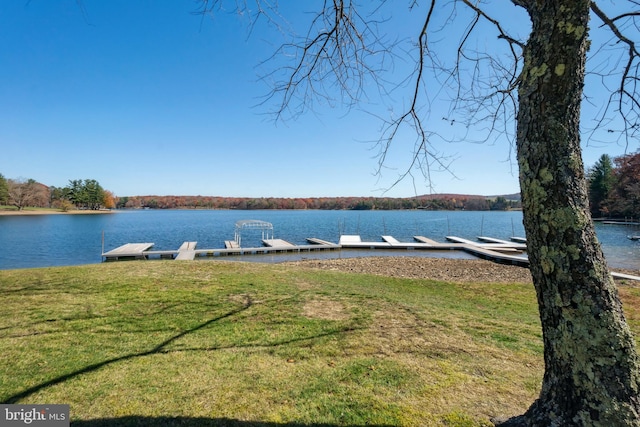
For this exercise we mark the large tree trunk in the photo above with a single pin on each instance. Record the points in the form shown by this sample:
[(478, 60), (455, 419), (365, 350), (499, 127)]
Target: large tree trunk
[(591, 365)]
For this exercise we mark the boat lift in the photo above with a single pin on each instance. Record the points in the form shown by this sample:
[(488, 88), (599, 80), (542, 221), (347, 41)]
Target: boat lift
[(252, 224)]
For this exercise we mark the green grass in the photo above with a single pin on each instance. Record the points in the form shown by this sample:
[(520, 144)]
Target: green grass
[(26, 208), (219, 343)]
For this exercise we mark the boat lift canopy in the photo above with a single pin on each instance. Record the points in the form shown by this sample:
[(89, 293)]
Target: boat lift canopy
[(266, 228)]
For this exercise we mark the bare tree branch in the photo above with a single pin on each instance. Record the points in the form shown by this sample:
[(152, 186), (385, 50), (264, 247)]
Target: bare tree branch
[(255, 11), (342, 57), (335, 56), (480, 101), (624, 101)]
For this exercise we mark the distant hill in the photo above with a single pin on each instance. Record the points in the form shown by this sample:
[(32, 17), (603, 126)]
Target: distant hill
[(515, 197), (448, 196)]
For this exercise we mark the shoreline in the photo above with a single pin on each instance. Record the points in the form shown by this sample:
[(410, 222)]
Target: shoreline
[(441, 269), (452, 270), (7, 212)]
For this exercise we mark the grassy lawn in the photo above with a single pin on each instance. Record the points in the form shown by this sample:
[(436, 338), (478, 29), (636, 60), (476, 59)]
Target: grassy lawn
[(12, 210), (28, 209), (244, 344)]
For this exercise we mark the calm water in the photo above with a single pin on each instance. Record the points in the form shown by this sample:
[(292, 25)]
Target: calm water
[(48, 240)]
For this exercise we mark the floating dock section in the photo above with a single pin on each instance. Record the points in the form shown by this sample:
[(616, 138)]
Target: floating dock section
[(128, 251)]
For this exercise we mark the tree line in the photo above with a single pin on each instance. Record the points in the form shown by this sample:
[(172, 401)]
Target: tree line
[(89, 194), (439, 202), (78, 194), (614, 186), (614, 192)]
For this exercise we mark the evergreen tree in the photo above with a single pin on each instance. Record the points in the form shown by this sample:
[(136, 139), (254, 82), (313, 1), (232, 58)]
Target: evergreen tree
[(601, 182), (4, 190)]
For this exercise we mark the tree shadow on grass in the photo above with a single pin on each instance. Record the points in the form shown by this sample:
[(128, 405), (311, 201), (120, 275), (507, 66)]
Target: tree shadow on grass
[(139, 421), (162, 349)]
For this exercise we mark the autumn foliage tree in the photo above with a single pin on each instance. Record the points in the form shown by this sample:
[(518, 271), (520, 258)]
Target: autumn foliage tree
[(624, 195), (430, 202), (614, 186), (23, 193), (108, 200)]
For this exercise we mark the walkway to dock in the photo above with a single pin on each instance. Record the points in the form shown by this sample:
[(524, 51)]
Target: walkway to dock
[(187, 251)]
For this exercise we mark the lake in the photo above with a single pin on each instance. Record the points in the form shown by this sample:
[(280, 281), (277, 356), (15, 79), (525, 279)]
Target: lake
[(51, 240)]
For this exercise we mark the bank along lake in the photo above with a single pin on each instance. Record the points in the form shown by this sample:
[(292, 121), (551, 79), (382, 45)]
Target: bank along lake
[(53, 240)]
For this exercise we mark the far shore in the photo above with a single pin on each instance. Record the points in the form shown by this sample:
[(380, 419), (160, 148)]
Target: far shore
[(27, 212)]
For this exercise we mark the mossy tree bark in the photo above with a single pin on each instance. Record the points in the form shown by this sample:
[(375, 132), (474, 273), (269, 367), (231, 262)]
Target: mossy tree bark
[(591, 364)]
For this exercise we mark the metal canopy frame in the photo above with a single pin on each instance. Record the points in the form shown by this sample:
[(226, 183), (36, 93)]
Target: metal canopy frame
[(252, 224)]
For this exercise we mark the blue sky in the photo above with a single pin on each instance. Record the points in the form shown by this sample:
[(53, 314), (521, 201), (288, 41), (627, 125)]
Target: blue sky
[(148, 98)]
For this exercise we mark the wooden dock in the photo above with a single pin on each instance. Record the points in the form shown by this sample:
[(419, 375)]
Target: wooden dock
[(187, 251), (276, 243), (624, 276), (315, 241), (495, 245), (489, 248), (500, 257), (426, 240), (231, 244), (390, 242), (500, 241), (499, 252), (128, 251), (143, 251)]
